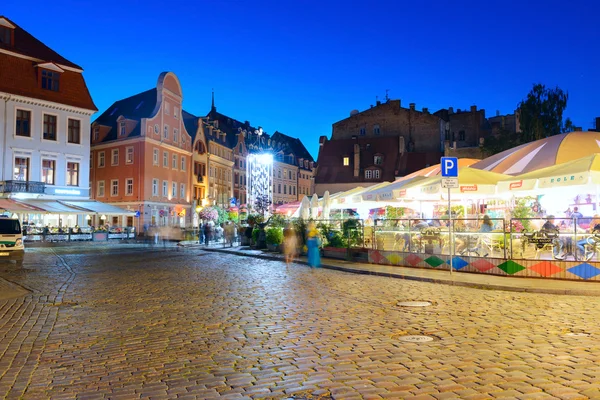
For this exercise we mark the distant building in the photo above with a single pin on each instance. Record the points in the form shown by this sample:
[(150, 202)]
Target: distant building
[(141, 155), (45, 110)]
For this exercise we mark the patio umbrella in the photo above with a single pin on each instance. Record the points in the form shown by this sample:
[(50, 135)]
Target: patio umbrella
[(314, 206), (326, 205), (305, 208)]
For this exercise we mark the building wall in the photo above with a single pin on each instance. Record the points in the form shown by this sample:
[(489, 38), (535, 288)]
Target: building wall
[(305, 183), (36, 148), (393, 120), (285, 183), (471, 123), (220, 165)]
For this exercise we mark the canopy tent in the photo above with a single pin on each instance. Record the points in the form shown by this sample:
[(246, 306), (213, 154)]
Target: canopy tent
[(580, 172), (392, 191), (437, 169), (97, 207), (288, 208), (52, 207), (357, 196), (543, 153), (341, 198), (15, 206), (471, 182)]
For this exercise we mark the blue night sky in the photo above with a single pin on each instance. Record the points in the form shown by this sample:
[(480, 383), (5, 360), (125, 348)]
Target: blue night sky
[(297, 67)]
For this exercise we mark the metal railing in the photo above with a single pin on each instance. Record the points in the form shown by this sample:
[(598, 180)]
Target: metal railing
[(22, 187)]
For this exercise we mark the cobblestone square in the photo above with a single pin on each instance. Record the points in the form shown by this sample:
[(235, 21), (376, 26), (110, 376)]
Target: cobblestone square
[(128, 322)]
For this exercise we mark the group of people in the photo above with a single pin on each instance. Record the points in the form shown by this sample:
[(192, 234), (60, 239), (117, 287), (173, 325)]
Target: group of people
[(550, 227), (209, 231), (313, 244)]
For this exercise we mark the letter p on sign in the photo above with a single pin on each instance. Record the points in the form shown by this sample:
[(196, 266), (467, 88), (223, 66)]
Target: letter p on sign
[(449, 167)]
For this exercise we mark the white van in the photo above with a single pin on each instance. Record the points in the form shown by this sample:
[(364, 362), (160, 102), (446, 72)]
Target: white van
[(11, 240)]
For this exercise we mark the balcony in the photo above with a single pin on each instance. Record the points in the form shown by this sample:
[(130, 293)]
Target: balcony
[(22, 187)]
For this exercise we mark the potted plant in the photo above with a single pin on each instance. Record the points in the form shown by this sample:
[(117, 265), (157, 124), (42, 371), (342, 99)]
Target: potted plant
[(334, 243), (274, 238)]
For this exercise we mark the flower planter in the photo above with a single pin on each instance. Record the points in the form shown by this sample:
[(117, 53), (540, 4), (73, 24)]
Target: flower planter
[(335, 252)]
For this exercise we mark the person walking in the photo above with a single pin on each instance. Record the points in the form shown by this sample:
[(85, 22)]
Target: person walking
[(207, 233), (314, 255), (290, 244)]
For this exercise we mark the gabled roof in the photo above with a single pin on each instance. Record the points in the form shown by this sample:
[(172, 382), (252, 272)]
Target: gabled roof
[(296, 146), (27, 45), (134, 108), (191, 123)]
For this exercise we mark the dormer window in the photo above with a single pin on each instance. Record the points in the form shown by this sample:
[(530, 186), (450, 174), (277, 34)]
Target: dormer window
[(50, 80), (363, 131), (376, 129), (378, 160), (346, 161), (6, 35), (122, 129)]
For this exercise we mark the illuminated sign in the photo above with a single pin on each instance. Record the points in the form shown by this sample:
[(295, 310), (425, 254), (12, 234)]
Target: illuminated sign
[(468, 188), (515, 185), (73, 192)]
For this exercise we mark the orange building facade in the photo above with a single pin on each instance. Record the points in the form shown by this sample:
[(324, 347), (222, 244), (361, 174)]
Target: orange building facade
[(141, 157)]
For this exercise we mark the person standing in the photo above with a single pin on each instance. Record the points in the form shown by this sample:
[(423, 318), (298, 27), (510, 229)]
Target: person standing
[(290, 244), (314, 256)]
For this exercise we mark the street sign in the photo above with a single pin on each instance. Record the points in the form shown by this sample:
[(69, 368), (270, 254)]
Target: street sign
[(449, 183), (137, 214), (449, 167)]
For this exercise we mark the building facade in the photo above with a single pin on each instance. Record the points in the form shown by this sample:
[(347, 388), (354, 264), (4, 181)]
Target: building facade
[(45, 110), (141, 155)]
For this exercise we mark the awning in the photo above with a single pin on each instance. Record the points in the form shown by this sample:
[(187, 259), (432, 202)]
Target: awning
[(52, 207), (97, 207), (15, 206)]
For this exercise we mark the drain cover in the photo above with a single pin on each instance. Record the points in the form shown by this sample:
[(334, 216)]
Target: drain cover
[(414, 304), (577, 334), (415, 339)]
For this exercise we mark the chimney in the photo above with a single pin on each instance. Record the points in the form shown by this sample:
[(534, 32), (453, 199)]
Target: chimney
[(425, 110), (473, 108), (450, 110), (356, 160), (497, 113), (378, 103), (402, 145), (322, 140), (412, 106), (598, 124)]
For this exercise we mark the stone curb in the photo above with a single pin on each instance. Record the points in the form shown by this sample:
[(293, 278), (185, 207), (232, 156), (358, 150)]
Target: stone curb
[(452, 282)]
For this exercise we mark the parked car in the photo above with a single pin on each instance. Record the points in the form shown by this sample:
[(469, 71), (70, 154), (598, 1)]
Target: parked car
[(11, 240)]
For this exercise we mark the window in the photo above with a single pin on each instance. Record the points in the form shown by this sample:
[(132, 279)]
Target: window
[(284, 189), (378, 160), (166, 132), (21, 172), (48, 171), (50, 80), (5, 35), (114, 187), (96, 134), (165, 192), (156, 129), (376, 129), (72, 174), (174, 162), (182, 191), (122, 127), (368, 174), (74, 131), (155, 157), (279, 173), (114, 160), (175, 136), (165, 159), (182, 163), (346, 161), (100, 189), (23, 127), (290, 174), (167, 108), (129, 155), (176, 112), (376, 174), (101, 159), (173, 190), (461, 135), (294, 190), (129, 187), (154, 187), (363, 131), (50, 127)]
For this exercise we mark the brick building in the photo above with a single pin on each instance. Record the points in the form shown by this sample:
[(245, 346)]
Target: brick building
[(141, 155)]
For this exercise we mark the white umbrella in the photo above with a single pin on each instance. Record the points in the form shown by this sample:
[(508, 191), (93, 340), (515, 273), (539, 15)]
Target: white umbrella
[(314, 206), (326, 205), (305, 208)]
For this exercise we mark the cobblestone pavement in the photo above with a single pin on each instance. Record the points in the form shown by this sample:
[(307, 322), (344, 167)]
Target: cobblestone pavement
[(127, 322)]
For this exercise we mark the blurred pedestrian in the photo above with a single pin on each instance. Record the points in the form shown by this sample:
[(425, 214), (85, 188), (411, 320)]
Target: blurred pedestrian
[(290, 244), (314, 255)]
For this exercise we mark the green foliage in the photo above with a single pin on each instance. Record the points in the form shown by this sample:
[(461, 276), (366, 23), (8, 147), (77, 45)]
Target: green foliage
[(353, 233), (541, 113), (300, 227), (277, 221), (254, 219), (274, 235), (523, 209), (255, 233), (331, 237), (223, 215), (233, 216), (394, 212)]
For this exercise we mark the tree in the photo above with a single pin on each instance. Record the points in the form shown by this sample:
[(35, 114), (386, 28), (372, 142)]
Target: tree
[(569, 127), (541, 113), (262, 204)]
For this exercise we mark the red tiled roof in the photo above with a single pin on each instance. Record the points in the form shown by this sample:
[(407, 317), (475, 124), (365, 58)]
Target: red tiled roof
[(20, 77)]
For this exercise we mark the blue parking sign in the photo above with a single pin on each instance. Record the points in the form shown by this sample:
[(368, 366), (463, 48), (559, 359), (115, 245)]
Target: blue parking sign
[(449, 167)]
